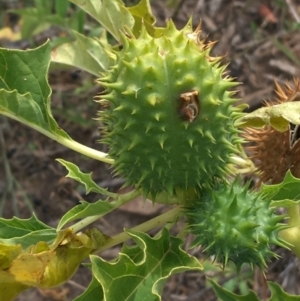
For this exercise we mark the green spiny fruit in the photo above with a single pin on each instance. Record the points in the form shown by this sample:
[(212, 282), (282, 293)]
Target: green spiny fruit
[(169, 122), (234, 223)]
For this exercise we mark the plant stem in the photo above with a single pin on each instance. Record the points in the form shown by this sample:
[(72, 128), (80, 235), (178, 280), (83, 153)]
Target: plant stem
[(65, 140), (70, 143), (118, 202), (158, 221), (84, 150)]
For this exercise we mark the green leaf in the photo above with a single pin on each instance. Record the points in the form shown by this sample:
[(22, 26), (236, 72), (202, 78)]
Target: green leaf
[(143, 276), (25, 231), (111, 14), (32, 238), (35, 20), (93, 292), (86, 53), (18, 227), (142, 14), (287, 192), (98, 209), (83, 178), (278, 116), (61, 7), (277, 294), (86, 209), (225, 295), (25, 95)]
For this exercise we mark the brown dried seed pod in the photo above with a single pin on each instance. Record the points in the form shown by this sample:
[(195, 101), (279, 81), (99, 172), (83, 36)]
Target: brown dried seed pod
[(272, 152)]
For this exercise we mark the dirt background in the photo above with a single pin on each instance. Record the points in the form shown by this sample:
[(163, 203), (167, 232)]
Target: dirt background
[(261, 40)]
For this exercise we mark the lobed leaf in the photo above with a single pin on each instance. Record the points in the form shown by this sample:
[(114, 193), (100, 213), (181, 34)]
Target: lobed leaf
[(278, 116), (83, 178), (111, 14), (43, 265), (25, 231), (98, 209), (142, 270), (86, 209), (24, 89), (277, 294), (93, 292), (142, 14), (285, 193), (25, 95), (86, 53), (37, 19)]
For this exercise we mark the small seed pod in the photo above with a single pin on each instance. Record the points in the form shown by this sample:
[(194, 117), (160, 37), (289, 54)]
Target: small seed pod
[(234, 223)]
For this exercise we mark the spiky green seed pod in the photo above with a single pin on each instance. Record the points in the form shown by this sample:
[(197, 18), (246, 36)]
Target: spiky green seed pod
[(169, 121), (234, 223)]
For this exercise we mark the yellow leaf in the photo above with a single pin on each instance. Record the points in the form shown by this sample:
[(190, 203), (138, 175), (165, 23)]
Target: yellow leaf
[(44, 265), (30, 268), (9, 291), (7, 254), (7, 34)]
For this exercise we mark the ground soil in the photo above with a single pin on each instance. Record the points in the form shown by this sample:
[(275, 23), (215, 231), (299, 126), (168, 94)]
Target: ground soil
[(260, 40)]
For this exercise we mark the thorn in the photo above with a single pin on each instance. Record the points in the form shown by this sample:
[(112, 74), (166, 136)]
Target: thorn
[(186, 125), (152, 162), (119, 108), (222, 116), (232, 209), (162, 140), (128, 124), (134, 142), (148, 128), (152, 99), (169, 164), (160, 170), (199, 130), (201, 164), (134, 111), (187, 156), (220, 159), (143, 177), (169, 188), (210, 136), (157, 116)]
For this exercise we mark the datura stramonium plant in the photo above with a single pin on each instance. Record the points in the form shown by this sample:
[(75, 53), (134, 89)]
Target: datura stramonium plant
[(170, 125), (170, 122)]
